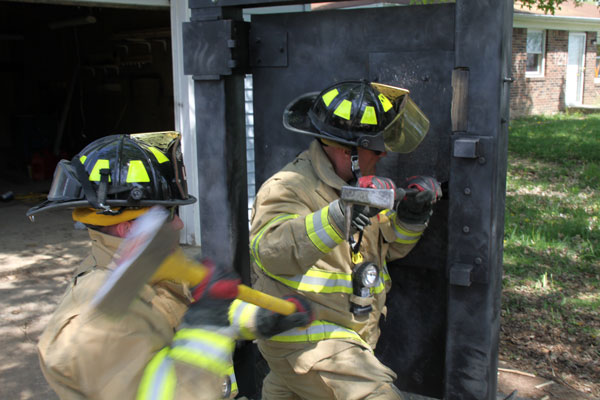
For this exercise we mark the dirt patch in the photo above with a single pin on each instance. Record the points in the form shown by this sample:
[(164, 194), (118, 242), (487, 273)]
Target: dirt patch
[(536, 339)]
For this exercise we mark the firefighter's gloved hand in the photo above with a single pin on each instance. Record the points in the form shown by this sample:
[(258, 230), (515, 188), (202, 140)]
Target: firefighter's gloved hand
[(360, 218), (417, 206), (269, 323), (212, 297), (378, 182)]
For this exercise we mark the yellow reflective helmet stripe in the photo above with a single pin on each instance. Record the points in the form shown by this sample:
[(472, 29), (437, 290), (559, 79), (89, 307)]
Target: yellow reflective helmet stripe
[(82, 159), (160, 156), (320, 232), (95, 174), (385, 102), (329, 96), (317, 331), (159, 380), (369, 117), (344, 109), (137, 172), (403, 235), (240, 314)]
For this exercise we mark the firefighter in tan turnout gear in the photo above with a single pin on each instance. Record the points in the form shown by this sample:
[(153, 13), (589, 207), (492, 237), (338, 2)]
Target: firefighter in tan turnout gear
[(174, 342), (298, 245)]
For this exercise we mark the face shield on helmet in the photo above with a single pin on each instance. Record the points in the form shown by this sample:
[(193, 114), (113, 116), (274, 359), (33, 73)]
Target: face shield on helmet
[(360, 114), (121, 172)]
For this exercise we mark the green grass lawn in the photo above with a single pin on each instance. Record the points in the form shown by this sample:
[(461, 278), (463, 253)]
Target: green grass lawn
[(551, 295)]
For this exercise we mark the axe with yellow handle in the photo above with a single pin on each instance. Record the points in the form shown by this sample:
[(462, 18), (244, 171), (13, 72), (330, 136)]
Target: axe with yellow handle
[(150, 254)]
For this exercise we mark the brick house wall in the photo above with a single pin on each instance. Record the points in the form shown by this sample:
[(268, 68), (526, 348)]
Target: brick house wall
[(546, 95)]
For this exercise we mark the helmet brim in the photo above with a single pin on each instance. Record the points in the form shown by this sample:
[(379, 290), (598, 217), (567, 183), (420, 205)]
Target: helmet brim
[(56, 205)]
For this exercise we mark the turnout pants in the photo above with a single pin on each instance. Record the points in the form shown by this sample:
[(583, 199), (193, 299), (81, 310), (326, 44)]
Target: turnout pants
[(326, 370)]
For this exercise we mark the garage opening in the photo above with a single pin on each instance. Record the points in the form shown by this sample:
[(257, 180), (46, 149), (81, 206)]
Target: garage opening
[(71, 74)]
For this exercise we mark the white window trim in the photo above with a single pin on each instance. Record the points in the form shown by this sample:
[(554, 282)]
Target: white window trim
[(531, 74)]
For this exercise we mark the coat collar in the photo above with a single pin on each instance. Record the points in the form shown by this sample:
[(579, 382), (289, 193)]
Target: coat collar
[(323, 167), (103, 247)]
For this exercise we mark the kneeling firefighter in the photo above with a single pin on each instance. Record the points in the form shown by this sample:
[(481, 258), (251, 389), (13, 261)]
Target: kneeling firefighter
[(299, 247), (174, 342)]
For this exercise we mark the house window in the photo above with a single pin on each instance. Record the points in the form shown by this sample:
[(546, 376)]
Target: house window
[(535, 53)]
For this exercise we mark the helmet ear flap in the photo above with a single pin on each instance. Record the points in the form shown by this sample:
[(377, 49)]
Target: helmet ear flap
[(180, 177)]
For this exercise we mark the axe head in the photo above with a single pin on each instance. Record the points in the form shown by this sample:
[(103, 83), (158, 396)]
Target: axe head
[(375, 198), (150, 240)]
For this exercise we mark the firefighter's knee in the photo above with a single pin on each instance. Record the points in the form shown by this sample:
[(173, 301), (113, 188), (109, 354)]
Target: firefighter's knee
[(387, 391)]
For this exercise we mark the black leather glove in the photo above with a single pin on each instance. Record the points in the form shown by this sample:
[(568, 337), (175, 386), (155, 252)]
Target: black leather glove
[(269, 323), (212, 297), (417, 206)]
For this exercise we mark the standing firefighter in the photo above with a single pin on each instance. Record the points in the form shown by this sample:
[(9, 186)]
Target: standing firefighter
[(298, 244), (173, 342)]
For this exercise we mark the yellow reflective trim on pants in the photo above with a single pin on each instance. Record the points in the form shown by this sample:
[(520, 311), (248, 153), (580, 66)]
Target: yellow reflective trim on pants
[(329, 96), (344, 109), (160, 156), (95, 174), (240, 314), (369, 117), (137, 172), (256, 241), (317, 331), (320, 232), (158, 381)]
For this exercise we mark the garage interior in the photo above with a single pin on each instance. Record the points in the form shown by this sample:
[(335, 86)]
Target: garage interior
[(71, 74)]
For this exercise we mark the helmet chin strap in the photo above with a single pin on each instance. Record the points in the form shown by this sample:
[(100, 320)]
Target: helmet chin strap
[(354, 164)]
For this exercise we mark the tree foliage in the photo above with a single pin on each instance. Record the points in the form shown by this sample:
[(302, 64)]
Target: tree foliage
[(547, 6)]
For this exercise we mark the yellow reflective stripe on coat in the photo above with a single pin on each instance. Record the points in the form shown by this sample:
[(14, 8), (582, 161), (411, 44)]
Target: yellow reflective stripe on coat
[(385, 273), (240, 314), (205, 349), (316, 280), (233, 388), (158, 381), (320, 232), (403, 235), (317, 331), (256, 241)]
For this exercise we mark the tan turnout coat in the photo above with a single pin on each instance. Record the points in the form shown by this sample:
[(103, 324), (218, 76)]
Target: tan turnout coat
[(282, 249), (89, 356)]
